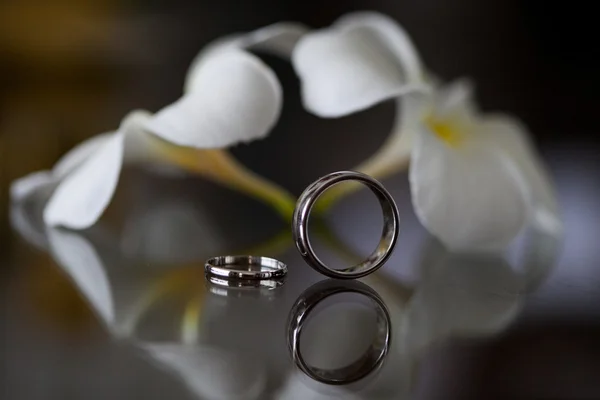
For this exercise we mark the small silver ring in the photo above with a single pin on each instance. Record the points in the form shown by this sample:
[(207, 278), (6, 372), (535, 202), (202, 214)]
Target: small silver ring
[(389, 235), (245, 267), (365, 365)]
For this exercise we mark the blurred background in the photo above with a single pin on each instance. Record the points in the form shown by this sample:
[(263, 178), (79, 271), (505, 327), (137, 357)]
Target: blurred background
[(70, 69)]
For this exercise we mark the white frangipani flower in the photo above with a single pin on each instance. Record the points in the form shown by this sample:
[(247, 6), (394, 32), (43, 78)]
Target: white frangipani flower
[(475, 180), (232, 97)]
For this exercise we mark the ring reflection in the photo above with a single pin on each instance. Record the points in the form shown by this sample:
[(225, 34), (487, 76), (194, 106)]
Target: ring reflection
[(300, 314)]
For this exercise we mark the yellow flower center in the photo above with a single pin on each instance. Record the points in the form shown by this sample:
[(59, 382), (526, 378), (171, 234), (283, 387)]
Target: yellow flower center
[(445, 131)]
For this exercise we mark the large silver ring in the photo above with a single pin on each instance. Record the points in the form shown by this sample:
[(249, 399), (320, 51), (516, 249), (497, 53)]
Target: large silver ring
[(388, 237), (371, 360), (245, 267)]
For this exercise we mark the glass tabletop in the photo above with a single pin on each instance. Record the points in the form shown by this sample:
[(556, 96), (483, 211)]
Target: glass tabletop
[(124, 309)]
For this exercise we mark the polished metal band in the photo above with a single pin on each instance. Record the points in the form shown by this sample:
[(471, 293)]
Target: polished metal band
[(368, 362), (245, 267), (388, 237)]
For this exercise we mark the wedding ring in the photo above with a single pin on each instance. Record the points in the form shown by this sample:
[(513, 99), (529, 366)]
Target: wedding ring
[(371, 360), (245, 267), (388, 237)]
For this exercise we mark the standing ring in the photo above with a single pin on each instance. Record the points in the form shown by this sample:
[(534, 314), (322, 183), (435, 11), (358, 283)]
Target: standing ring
[(388, 237)]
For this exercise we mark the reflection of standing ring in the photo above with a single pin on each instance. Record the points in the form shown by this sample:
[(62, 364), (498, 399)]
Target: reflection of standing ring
[(388, 237), (368, 362)]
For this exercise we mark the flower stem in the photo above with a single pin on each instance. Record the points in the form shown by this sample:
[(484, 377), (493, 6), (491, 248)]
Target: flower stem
[(219, 166)]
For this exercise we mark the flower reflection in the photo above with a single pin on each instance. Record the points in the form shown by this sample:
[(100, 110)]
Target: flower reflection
[(458, 294), (211, 373), (120, 292), (162, 312), (146, 284), (461, 295)]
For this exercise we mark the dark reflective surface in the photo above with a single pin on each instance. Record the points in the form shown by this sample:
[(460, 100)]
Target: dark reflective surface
[(124, 310)]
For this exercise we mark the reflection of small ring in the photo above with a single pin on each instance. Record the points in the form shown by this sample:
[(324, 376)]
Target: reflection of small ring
[(368, 362), (245, 267), (242, 287), (388, 237)]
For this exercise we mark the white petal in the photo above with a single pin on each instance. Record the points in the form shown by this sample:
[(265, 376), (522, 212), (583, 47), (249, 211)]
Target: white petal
[(471, 198), (234, 98), (139, 146), (81, 262), (78, 155), (362, 60), (456, 100), (512, 136), (42, 181), (26, 218), (392, 34), (83, 196), (279, 39), (28, 185)]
